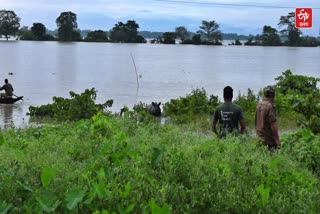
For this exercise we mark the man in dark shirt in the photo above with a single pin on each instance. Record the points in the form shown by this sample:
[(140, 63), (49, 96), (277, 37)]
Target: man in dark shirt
[(266, 121), (229, 115), (7, 87)]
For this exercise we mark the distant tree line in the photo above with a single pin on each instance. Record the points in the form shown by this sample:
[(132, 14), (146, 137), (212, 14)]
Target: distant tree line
[(291, 35), (208, 33)]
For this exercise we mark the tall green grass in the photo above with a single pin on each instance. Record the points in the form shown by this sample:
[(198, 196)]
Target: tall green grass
[(110, 164)]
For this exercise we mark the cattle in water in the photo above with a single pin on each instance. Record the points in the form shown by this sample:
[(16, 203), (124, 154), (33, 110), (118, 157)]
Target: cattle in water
[(154, 109)]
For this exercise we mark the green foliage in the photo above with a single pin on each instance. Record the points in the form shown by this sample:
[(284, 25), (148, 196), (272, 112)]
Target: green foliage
[(38, 30), (127, 33), (153, 168), (67, 26), (182, 33), (309, 41), (248, 102), (289, 83), (25, 34), (97, 36), (74, 197), (168, 38), (300, 94), (47, 175), (237, 42), (270, 36), (290, 31), (303, 146), (309, 106), (80, 106), (210, 31), (185, 109), (9, 23)]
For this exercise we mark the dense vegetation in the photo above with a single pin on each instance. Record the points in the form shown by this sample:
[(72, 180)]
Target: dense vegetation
[(208, 33), (99, 162), (109, 164)]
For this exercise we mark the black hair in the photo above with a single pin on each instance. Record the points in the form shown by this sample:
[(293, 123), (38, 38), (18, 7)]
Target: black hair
[(228, 92), (6, 80), (269, 91)]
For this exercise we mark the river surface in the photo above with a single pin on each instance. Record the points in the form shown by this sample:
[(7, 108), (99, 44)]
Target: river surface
[(41, 70)]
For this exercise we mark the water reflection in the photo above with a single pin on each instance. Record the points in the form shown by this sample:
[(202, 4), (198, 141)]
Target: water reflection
[(46, 69), (8, 112)]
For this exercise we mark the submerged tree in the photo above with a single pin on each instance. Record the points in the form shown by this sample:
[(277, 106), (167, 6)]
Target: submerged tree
[(168, 38), (127, 33), (210, 31), (67, 26), (270, 36), (290, 31), (25, 34), (9, 23), (38, 30), (182, 33), (97, 36)]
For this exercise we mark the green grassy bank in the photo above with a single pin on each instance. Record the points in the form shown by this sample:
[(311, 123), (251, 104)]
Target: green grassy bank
[(109, 164)]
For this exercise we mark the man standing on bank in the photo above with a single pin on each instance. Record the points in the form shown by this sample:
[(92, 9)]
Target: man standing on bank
[(266, 120), (229, 115)]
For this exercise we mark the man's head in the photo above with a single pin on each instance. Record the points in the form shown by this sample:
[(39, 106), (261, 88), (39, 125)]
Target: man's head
[(269, 91), (6, 81), (228, 93)]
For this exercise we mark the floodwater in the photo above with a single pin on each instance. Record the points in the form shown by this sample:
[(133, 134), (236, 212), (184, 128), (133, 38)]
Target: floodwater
[(130, 73)]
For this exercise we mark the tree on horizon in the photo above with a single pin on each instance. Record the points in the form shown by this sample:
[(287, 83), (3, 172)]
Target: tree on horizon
[(67, 26), (9, 23), (210, 31)]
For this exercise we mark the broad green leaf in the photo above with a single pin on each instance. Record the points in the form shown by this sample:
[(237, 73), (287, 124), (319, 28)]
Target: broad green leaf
[(155, 209), (100, 189), (73, 197), (47, 175), (4, 207), (46, 202), (125, 193)]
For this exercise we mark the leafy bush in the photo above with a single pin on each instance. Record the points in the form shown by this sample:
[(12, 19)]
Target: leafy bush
[(108, 164), (309, 106), (303, 146), (80, 106), (289, 83), (184, 109)]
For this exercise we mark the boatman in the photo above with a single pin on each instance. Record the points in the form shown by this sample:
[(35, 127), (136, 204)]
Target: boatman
[(7, 87), (229, 115), (266, 121)]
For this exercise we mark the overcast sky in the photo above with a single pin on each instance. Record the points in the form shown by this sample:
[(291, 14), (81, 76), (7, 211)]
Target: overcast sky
[(163, 15)]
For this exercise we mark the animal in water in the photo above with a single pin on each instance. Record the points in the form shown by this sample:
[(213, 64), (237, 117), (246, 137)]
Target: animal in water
[(154, 109)]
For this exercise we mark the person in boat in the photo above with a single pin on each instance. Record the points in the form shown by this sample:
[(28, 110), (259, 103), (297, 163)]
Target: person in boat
[(7, 87), (229, 116)]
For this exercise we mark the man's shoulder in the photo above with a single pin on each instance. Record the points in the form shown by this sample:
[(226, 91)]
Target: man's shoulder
[(236, 107), (267, 103)]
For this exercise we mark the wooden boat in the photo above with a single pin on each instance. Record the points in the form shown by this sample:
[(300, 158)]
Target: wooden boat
[(10, 100)]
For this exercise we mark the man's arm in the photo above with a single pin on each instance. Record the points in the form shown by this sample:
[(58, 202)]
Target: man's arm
[(275, 133), (215, 121), (242, 126), (241, 121)]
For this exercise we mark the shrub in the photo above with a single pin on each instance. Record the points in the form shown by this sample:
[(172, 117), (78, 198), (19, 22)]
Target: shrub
[(80, 106), (184, 109)]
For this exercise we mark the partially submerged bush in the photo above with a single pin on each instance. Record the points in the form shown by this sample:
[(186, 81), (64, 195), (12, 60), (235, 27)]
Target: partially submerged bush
[(80, 106), (185, 109)]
